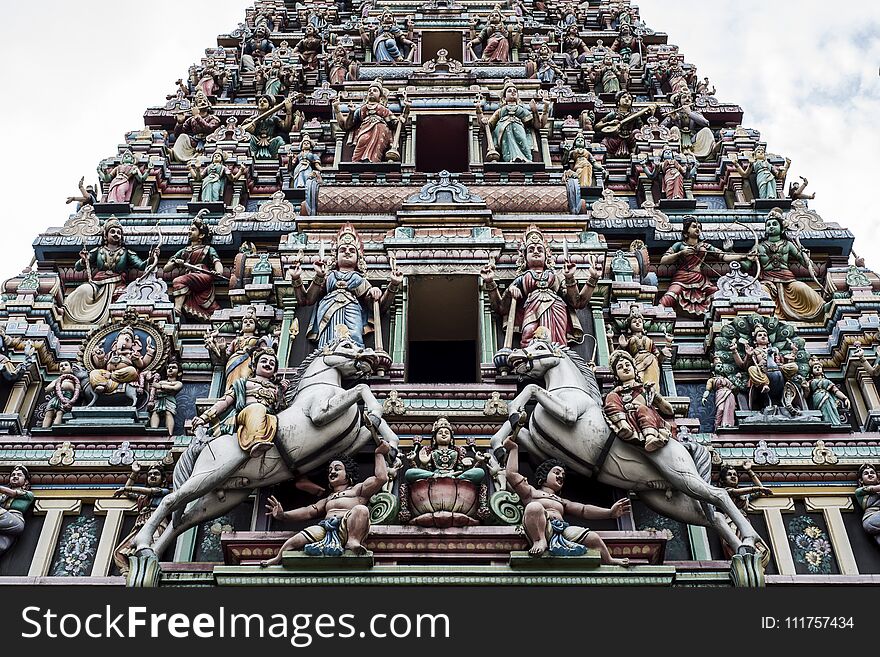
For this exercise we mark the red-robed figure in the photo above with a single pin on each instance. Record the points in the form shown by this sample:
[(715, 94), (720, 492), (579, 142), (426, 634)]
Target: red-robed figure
[(198, 266)]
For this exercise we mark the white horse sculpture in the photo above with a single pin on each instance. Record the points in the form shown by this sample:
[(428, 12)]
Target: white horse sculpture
[(322, 421), (568, 424)]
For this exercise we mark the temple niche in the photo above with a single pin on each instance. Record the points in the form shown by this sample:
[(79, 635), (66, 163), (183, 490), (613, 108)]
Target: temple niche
[(415, 283)]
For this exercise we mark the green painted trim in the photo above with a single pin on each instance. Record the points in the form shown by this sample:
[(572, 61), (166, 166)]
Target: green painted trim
[(699, 540)]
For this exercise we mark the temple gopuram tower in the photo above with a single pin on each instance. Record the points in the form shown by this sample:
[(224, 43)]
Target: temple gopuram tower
[(458, 292)]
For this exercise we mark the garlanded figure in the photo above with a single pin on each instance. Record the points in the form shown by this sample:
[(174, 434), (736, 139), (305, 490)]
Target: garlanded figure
[(340, 67), (163, 406), (16, 499), (673, 76), (776, 252), (635, 411), (253, 404), (646, 355), (824, 395), (193, 291), (238, 354), (546, 70), (213, 177), (211, 79), (269, 132), (191, 132), (87, 195), (672, 172), (107, 268), (341, 293), (64, 392), (725, 395), (512, 122), (275, 79), (690, 127), (444, 459), (537, 291), (147, 499), (868, 497), (494, 38), (256, 47), (305, 165), (728, 479), (628, 46), (574, 48), (309, 49), (797, 191), (124, 365), (346, 514), (389, 43), (766, 174), (609, 76), (770, 374), (581, 163), (619, 128), (370, 126), (543, 519), (122, 178), (690, 289)]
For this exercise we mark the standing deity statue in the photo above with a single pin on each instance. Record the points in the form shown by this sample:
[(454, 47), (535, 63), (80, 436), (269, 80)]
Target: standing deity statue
[(275, 79), (690, 289), (252, 405), (608, 76), (147, 499), (163, 407), (725, 395), (868, 498), (776, 252), (635, 411), (619, 128), (444, 459), (346, 514), (340, 67), (370, 126), (268, 131), (544, 521), (766, 174), (191, 132), (538, 293), (199, 267), (494, 38), (512, 124), (581, 163), (211, 79), (728, 479), (672, 172), (389, 43), (107, 267), (646, 355), (213, 177), (305, 165), (122, 178), (825, 396), (546, 70), (770, 373), (63, 393), (691, 129), (340, 292), (16, 499)]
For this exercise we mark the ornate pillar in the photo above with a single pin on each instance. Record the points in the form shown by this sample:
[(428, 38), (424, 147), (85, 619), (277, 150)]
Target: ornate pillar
[(700, 549), (114, 510), (288, 334), (399, 315), (488, 337), (772, 508), (831, 508), (602, 353), (54, 510)]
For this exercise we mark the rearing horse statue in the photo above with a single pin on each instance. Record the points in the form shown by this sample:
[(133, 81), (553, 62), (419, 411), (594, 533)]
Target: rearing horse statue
[(322, 421), (568, 424)]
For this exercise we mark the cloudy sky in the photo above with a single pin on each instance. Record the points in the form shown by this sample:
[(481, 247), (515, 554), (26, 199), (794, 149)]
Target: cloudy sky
[(77, 75)]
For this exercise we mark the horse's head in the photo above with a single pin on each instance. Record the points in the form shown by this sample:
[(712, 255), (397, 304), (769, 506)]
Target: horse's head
[(349, 358), (537, 358)]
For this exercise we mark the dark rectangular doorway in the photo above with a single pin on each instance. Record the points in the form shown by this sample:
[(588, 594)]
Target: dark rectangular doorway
[(442, 143), (434, 40), (443, 330)]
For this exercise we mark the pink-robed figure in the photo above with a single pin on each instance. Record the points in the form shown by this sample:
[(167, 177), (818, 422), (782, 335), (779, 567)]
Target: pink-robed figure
[(122, 178), (198, 266), (370, 125), (725, 397), (494, 37), (543, 298)]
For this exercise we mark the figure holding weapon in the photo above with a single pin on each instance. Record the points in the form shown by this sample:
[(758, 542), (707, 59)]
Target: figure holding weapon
[(268, 131)]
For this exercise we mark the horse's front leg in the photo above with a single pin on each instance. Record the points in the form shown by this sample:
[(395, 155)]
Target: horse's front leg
[(555, 406), (335, 406), (517, 408)]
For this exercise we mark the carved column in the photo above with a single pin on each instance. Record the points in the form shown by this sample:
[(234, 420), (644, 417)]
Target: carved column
[(489, 340), (772, 508), (287, 324), (398, 324), (831, 508), (602, 352), (114, 510), (54, 510)]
